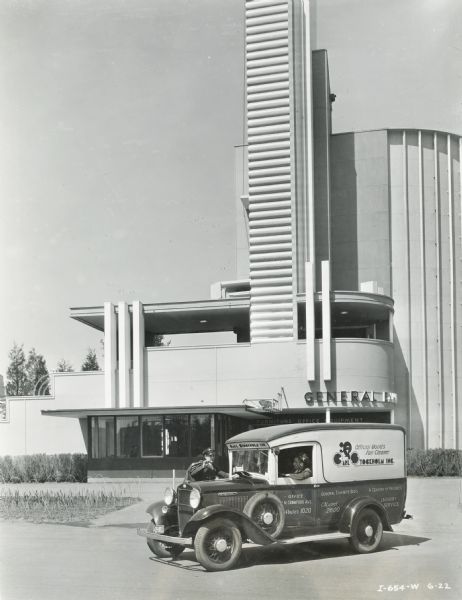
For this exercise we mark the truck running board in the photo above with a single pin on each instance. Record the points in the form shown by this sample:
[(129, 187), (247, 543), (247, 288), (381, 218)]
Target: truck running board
[(308, 538), (295, 540)]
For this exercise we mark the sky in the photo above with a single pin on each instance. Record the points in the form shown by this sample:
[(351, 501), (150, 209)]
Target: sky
[(118, 122)]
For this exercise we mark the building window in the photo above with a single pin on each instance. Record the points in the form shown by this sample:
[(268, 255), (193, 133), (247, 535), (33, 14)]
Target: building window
[(152, 443), (128, 437), (150, 436), (102, 437), (176, 435), (360, 417), (200, 433), (350, 320)]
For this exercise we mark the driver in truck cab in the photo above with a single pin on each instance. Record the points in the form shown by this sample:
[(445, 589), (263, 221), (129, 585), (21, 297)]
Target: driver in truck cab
[(205, 469), (301, 466)]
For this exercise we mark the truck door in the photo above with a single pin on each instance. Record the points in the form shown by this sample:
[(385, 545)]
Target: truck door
[(296, 491)]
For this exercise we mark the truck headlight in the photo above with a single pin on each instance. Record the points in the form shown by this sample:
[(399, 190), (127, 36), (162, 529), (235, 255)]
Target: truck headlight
[(195, 498), (169, 496)]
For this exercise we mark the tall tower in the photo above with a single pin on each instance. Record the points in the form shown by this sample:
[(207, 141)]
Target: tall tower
[(278, 95)]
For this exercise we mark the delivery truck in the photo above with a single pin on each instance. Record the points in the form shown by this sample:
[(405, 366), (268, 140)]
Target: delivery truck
[(288, 484)]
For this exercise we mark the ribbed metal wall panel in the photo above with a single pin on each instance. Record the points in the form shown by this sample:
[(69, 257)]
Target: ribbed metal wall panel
[(426, 243), (270, 169)]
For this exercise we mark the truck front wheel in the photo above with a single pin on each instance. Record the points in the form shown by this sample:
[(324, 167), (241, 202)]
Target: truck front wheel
[(366, 531), (161, 549), (218, 545)]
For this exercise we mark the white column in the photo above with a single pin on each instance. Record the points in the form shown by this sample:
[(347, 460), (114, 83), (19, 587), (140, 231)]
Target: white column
[(326, 324), (309, 322), (310, 265), (110, 355), (138, 354), (124, 355), (308, 109), (452, 298), (327, 415)]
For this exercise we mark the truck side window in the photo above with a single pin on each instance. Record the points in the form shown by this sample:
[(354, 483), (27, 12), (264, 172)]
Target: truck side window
[(296, 461)]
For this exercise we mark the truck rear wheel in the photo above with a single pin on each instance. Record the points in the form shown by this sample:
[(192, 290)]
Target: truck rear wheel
[(366, 531), (218, 545), (161, 549)]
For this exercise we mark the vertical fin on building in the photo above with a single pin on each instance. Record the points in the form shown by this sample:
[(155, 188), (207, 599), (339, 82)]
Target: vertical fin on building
[(270, 169)]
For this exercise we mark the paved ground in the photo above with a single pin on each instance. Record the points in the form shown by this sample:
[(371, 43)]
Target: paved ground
[(108, 561)]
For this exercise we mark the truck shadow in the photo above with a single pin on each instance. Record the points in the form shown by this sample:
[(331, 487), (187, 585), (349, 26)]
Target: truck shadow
[(320, 550), (264, 555), (179, 563), (91, 524)]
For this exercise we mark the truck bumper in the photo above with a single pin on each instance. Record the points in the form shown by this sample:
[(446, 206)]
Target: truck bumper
[(167, 539)]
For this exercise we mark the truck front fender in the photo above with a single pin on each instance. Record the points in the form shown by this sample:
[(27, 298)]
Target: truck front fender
[(161, 514), (252, 531), (354, 507)]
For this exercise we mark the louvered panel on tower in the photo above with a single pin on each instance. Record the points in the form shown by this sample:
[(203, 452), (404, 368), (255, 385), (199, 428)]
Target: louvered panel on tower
[(270, 170)]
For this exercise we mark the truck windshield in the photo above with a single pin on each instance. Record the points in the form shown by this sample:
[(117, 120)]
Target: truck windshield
[(252, 461)]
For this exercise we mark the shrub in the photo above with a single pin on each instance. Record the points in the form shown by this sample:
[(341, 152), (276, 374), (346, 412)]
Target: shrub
[(39, 468), (79, 465), (434, 463), (9, 472)]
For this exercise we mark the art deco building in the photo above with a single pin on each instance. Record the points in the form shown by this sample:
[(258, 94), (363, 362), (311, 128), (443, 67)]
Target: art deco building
[(347, 301)]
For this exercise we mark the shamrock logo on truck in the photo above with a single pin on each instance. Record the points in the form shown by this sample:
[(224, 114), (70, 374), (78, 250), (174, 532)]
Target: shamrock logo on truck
[(344, 457)]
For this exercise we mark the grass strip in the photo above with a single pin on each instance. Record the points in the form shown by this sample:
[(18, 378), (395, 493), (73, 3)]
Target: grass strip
[(60, 506)]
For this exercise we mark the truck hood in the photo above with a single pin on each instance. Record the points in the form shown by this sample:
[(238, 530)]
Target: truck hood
[(235, 484)]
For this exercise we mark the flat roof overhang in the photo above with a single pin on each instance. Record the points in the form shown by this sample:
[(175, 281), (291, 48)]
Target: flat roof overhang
[(233, 410), (228, 314), (228, 410), (231, 314)]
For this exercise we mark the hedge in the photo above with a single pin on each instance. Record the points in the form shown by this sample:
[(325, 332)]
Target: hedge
[(434, 463), (39, 468)]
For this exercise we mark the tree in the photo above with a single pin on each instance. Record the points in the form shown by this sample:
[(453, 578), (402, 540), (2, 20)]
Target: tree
[(91, 362), (2, 400), (64, 367), (27, 377), (38, 378), (16, 373)]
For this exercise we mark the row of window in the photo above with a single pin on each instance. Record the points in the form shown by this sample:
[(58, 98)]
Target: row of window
[(320, 417), (149, 436)]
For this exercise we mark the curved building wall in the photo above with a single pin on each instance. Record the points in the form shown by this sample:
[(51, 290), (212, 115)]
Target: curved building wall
[(224, 375), (357, 364), (426, 254), (396, 226), (360, 221)]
